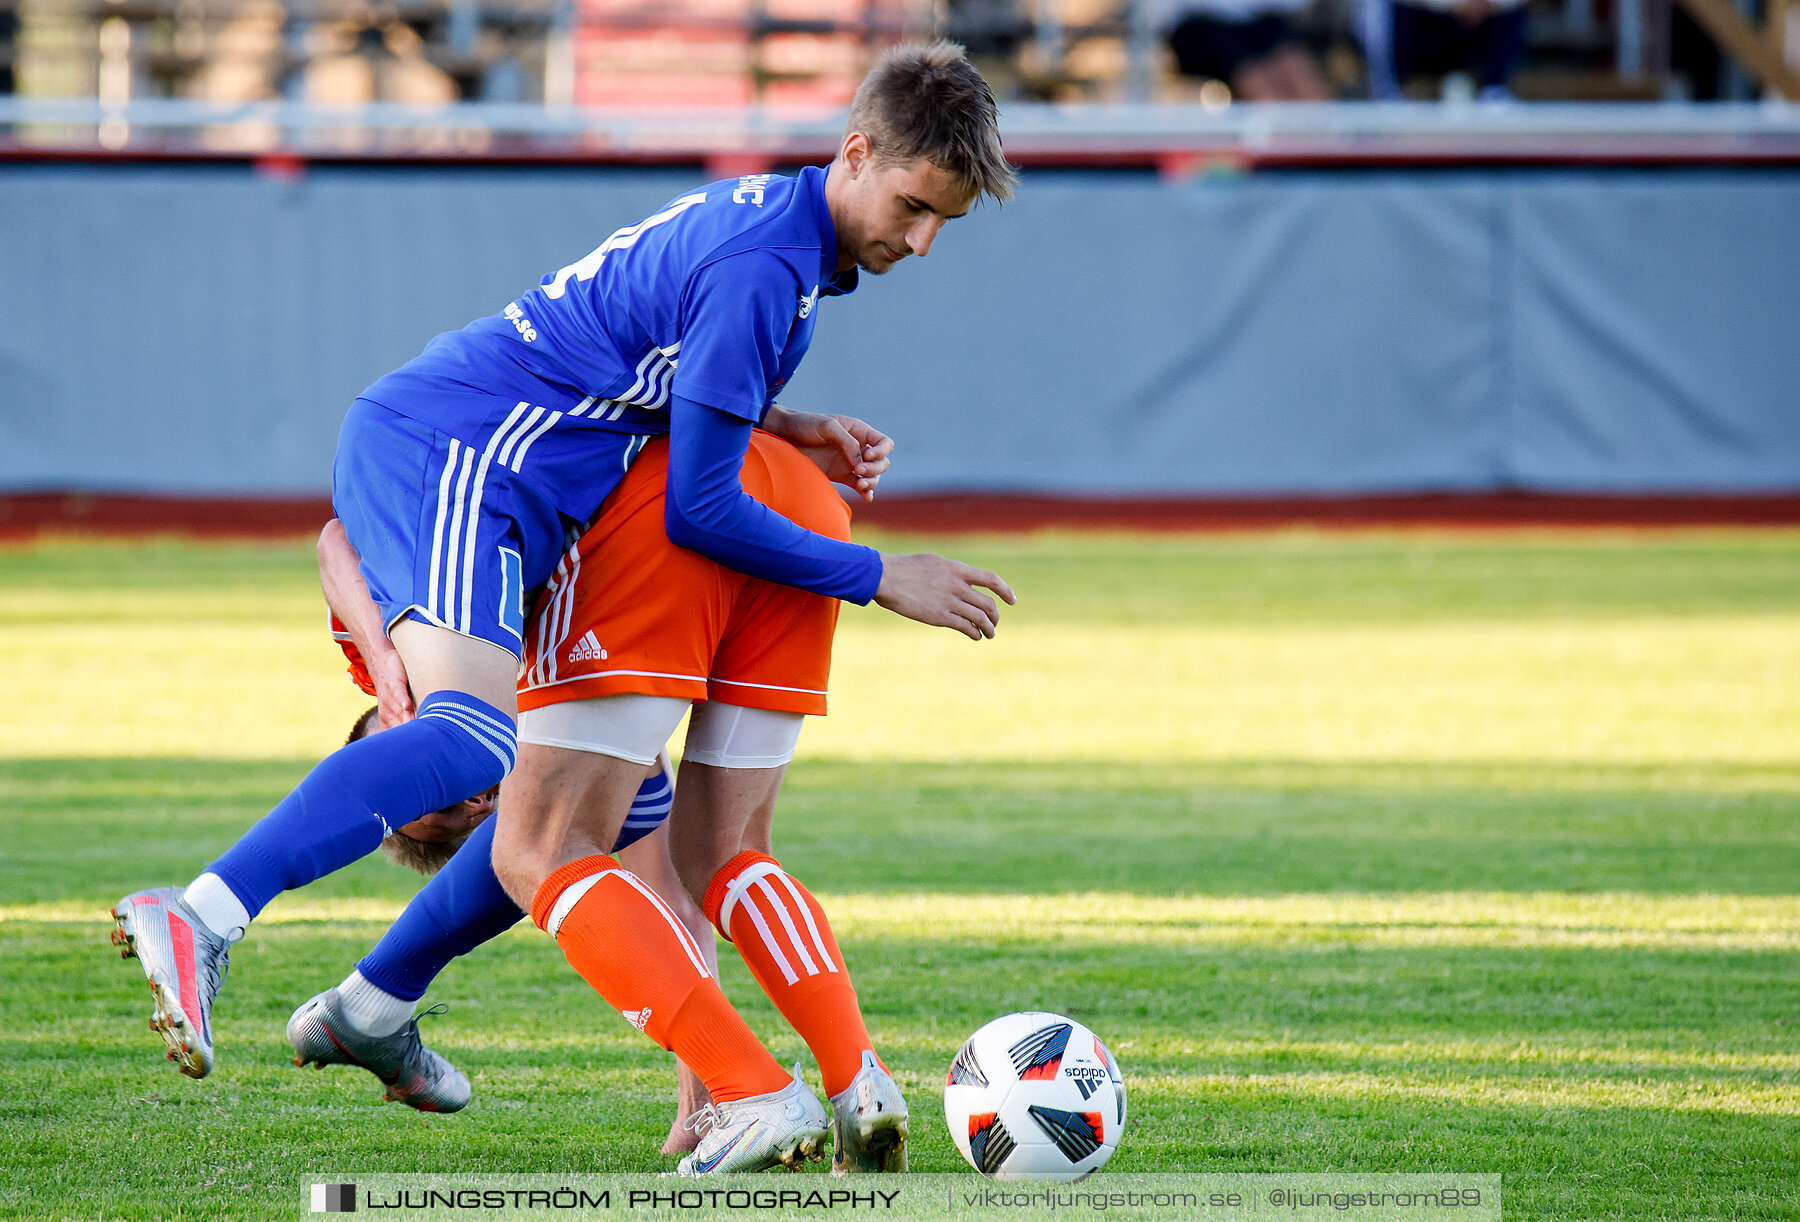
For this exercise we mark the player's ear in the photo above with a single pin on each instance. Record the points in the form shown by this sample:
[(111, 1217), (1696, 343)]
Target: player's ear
[(481, 804), (855, 152)]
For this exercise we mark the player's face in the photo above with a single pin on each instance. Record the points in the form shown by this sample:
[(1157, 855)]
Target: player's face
[(890, 210), (453, 822)]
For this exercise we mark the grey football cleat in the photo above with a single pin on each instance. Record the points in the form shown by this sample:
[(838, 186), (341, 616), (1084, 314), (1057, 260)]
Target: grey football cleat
[(868, 1121), (787, 1126), (186, 964), (413, 1074)]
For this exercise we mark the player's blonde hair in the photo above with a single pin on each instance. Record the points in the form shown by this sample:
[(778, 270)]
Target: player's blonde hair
[(926, 100), (425, 857)]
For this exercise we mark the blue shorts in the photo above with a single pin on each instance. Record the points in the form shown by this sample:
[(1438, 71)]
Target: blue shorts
[(449, 532)]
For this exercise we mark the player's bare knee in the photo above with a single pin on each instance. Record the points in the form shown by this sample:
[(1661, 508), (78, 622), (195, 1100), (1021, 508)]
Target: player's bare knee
[(580, 763), (523, 859)]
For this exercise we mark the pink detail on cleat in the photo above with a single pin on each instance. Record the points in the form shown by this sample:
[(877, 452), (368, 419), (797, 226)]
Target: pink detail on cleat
[(181, 936)]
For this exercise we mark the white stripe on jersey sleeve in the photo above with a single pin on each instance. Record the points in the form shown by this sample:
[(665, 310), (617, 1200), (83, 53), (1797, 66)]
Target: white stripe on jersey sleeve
[(645, 368), (537, 413), (519, 458)]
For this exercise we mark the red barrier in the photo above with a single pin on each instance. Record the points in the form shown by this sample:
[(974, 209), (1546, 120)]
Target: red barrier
[(27, 517), (952, 514)]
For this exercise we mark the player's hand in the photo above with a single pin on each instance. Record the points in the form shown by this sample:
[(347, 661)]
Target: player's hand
[(849, 451), (393, 691), (943, 592)]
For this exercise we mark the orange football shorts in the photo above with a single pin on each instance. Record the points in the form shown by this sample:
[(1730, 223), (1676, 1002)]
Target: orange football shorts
[(628, 611), (358, 669)]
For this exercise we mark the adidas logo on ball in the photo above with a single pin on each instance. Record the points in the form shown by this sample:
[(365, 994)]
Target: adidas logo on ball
[(1087, 1079)]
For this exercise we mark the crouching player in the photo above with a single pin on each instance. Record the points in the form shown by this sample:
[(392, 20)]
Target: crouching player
[(367, 1020), (630, 632)]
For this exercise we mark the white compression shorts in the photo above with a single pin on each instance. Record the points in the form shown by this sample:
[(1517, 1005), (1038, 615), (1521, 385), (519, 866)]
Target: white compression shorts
[(732, 736), (634, 727), (629, 726)]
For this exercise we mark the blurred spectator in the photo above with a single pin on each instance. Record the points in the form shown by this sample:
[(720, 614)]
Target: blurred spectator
[(1404, 39), (9, 40), (992, 32), (1251, 45), (369, 58), (246, 63)]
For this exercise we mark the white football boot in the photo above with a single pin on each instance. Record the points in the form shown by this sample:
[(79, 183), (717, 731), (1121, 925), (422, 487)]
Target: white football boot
[(186, 963), (787, 1126), (868, 1122)]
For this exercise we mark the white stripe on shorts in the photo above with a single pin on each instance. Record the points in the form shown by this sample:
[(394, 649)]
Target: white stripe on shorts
[(554, 620), (437, 535), (468, 567), (450, 596), (453, 541)]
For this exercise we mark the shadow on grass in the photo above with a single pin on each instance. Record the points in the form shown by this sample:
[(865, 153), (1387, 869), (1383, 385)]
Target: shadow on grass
[(90, 829), (1078, 577), (1398, 577)]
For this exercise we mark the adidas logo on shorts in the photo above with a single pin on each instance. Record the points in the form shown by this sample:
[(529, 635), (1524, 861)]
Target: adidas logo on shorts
[(587, 649)]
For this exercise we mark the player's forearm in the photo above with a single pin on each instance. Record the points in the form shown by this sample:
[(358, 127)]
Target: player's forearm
[(347, 594), (709, 512)]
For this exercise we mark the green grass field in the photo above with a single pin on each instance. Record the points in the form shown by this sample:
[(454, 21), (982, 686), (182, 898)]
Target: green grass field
[(1366, 853)]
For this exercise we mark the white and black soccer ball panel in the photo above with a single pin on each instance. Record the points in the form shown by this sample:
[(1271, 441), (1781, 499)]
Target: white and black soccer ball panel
[(1035, 1096), (965, 1070)]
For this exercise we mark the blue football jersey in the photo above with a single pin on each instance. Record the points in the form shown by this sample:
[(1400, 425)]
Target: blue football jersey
[(713, 298)]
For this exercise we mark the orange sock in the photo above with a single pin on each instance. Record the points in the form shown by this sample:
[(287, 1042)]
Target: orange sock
[(624, 941), (783, 935)]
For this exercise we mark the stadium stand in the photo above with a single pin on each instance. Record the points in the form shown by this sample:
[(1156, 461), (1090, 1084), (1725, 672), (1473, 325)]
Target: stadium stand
[(809, 53)]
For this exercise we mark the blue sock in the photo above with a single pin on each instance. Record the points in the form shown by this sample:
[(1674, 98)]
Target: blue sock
[(464, 905), (649, 809), (457, 746), (460, 908)]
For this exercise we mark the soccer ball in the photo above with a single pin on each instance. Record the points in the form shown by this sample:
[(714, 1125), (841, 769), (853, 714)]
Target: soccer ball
[(1035, 1096)]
